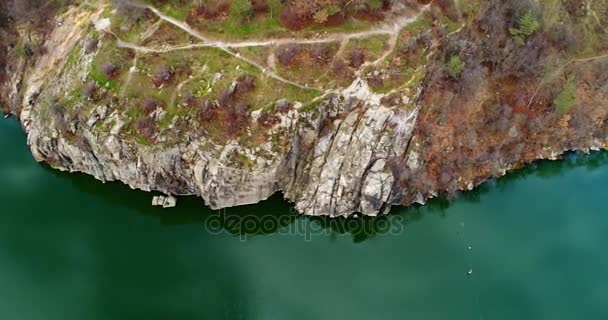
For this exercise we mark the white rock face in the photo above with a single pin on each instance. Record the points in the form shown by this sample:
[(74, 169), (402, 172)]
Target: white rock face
[(333, 171), (348, 170)]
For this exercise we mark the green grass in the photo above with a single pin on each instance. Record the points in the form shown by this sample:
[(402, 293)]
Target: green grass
[(311, 106), (102, 80), (373, 46), (238, 25), (566, 99), (424, 23)]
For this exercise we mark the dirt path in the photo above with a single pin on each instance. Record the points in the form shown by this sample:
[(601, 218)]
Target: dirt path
[(392, 29), (560, 70), (389, 28)]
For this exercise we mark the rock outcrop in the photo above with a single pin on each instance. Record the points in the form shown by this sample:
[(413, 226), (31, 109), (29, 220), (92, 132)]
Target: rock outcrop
[(354, 152)]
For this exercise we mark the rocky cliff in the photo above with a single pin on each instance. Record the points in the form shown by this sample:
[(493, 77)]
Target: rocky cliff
[(475, 92)]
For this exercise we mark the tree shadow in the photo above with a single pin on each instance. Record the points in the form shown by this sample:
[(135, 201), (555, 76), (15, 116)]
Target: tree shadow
[(276, 214)]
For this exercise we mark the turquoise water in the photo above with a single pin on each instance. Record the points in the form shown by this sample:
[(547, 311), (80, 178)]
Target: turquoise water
[(74, 248)]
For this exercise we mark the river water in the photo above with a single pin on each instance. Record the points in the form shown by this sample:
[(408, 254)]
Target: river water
[(528, 246)]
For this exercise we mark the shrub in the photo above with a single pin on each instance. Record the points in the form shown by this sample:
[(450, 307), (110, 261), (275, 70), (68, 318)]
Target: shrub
[(241, 10), (163, 75), (146, 127), (268, 120), (109, 70), (25, 51), (286, 54), (374, 4), (207, 111), (356, 58), (297, 15), (210, 11), (322, 15), (150, 105), (90, 90), (526, 26), (90, 44), (244, 84), (260, 6), (455, 66)]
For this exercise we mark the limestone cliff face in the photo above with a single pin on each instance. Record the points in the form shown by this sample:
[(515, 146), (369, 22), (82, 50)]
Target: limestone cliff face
[(348, 169), (335, 171), (353, 153)]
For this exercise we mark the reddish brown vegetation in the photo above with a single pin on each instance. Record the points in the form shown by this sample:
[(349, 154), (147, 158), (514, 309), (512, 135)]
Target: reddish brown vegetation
[(267, 119), (109, 70), (90, 90), (365, 12), (230, 110), (260, 6), (162, 76), (474, 128), (356, 58), (292, 54), (211, 11), (150, 105), (299, 14), (146, 126)]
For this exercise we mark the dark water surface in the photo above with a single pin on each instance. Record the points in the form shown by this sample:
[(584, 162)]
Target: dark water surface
[(74, 248)]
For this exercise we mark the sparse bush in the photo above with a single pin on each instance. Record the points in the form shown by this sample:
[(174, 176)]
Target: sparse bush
[(208, 11), (207, 110), (163, 75), (90, 90), (356, 58), (259, 6), (237, 118), (109, 70), (374, 4), (321, 53), (297, 15), (455, 66), (146, 127), (244, 85), (90, 44), (241, 10), (150, 105), (189, 100), (563, 37), (322, 15), (24, 51), (286, 54), (284, 105), (267, 119)]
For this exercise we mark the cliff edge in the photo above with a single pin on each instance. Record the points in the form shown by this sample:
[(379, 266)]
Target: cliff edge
[(343, 108)]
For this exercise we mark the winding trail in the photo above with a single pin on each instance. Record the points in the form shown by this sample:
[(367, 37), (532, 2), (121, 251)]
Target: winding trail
[(392, 29), (389, 28), (560, 70)]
